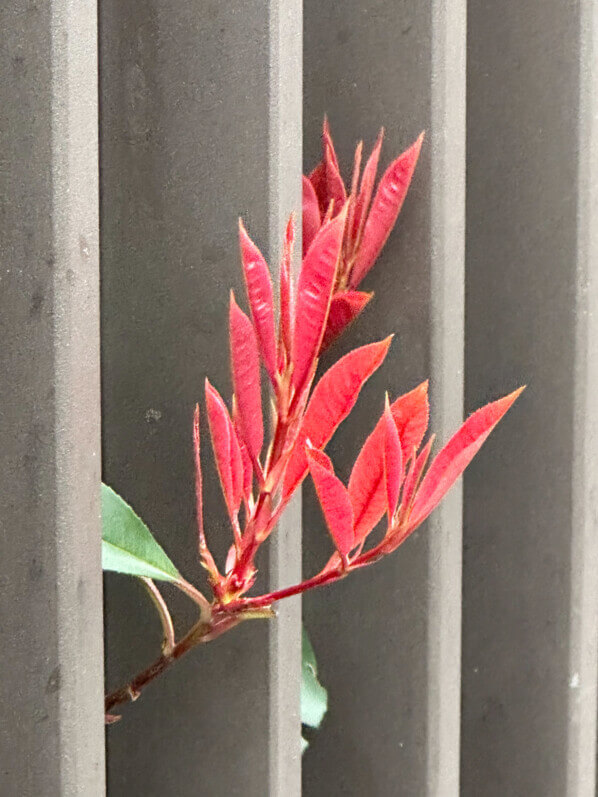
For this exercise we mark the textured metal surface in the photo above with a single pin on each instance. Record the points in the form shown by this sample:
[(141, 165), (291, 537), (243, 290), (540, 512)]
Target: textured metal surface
[(51, 735), (387, 640), (285, 151), (201, 123), (530, 602)]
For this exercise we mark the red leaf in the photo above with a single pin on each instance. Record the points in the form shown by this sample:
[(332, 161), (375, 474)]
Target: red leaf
[(416, 469), (314, 292), (247, 470), (332, 400), (245, 364), (387, 203), (456, 456), (312, 219), (318, 179), (328, 215), (397, 535), (334, 500), (335, 188), (198, 476), (356, 169), (286, 288), (366, 485), (327, 143), (227, 452), (344, 309), (393, 462), (231, 559), (353, 199), (204, 552), (326, 179), (259, 293), (367, 186), (411, 413)]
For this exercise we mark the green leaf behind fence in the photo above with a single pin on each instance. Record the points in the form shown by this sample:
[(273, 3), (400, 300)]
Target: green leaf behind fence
[(314, 697), (128, 545)]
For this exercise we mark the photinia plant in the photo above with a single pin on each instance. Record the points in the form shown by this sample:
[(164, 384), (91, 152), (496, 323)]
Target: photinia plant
[(261, 465)]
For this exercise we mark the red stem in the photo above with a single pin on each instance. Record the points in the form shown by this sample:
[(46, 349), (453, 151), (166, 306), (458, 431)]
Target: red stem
[(320, 580), (249, 541), (265, 600)]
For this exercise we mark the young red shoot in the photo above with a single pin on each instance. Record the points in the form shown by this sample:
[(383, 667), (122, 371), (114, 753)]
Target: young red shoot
[(342, 234)]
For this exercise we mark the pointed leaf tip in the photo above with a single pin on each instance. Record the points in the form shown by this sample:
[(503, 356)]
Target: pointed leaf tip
[(128, 546), (456, 455), (327, 142), (205, 556), (366, 188), (227, 452), (393, 461), (261, 298), (312, 220), (386, 206), (198, 476), (335, 186), (246, 377), (286, 293)]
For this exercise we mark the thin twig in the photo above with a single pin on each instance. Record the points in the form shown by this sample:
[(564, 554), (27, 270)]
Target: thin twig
[(196, 596), (200, 633), (168, 641)]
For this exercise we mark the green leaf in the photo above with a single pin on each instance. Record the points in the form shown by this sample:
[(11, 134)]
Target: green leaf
[(128, 545), (308, 655), (314, 697)]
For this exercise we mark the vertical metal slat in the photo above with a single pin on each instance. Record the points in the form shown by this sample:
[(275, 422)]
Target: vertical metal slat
[(530, 602), (200, 115), (52, 735), (387, 640)]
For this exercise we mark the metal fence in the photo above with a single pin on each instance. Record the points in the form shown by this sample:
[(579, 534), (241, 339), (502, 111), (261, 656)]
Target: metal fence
[(464, 664)]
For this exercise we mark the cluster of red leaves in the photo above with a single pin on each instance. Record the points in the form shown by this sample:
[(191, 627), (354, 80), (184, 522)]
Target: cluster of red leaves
[(342, 236), (368, 222)]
